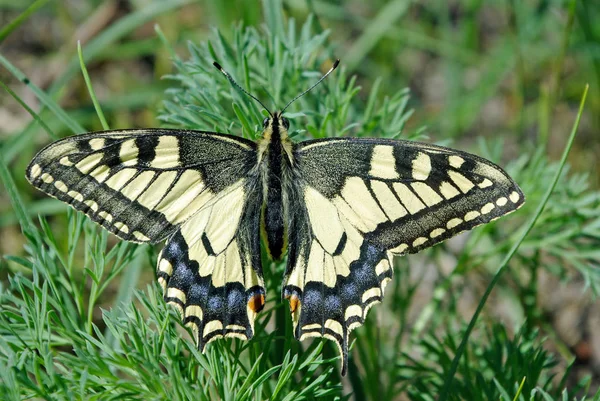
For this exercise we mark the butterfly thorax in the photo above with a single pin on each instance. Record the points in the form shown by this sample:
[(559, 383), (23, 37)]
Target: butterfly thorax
[(275, 158)]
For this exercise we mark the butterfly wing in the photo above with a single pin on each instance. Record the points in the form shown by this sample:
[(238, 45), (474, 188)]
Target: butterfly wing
[(141, 184), (210, 269), (361, 201), (197, 189)]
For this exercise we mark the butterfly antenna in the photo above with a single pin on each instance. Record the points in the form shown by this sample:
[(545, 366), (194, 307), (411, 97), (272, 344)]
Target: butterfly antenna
[(335, 64), (218, 67)]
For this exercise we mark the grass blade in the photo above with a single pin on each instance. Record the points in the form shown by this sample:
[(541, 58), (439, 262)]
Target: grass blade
[(32, 113), (43, 96), (14, 24), (88, 83), (15, 199), (463, 344), (376, 29)]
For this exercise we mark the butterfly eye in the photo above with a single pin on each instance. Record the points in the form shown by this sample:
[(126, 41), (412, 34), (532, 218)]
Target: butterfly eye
[(286, 123), (265, 122)]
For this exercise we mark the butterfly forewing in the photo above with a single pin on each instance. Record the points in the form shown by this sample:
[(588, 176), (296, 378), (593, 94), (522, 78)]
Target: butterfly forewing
[(141, 184), (358, 202)]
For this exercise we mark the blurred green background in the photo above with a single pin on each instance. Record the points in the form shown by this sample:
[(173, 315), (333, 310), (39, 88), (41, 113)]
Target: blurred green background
[(499, 69)]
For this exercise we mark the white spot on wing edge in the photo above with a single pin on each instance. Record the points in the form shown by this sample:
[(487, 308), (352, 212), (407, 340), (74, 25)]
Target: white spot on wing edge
[(138, 235), (234, 327), (399, 249), (165, 266), (437, 232), (472, 215), (47, 178), (514, 197), (105, 215), (92, 205), (61, 186), (213, 325), (370, 293), (354, 325), (382, 267), (335, 326), (453, 222), (176, 306), (35, 171), (501, 201), (163, 284), (194, 310), (488, 207), (75, 195), (353, 310), (311, 326), (173, 292), (122, 227), (419, 241)]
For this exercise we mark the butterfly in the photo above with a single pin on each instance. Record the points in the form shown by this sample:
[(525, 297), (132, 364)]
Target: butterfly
[(341, 207)]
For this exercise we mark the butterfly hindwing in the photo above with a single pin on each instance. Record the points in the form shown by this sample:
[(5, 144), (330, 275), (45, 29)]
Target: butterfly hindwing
[(141, 184), (333, 275), (210, 269), (360, 201)]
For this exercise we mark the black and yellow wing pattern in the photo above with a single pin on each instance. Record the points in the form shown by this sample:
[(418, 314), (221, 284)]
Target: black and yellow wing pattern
[(359, 202), (195, 189), (344, 206)]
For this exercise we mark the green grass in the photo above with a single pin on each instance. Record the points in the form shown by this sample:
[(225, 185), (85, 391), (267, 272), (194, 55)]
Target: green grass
[(81, 316)]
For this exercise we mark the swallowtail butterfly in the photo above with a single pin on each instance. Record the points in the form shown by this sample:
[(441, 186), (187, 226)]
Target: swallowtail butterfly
[(342, 207)]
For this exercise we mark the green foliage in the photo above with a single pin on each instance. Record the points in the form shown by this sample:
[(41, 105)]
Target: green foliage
[(71, 327), (276, 68), (497, 367)]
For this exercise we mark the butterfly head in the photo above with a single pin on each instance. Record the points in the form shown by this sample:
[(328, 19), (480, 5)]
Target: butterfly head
[(275, 129), (276, 121)]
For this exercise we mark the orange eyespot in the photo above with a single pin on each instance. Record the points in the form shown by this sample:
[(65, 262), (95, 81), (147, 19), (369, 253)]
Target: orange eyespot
[(294, 302), (256, 303)]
